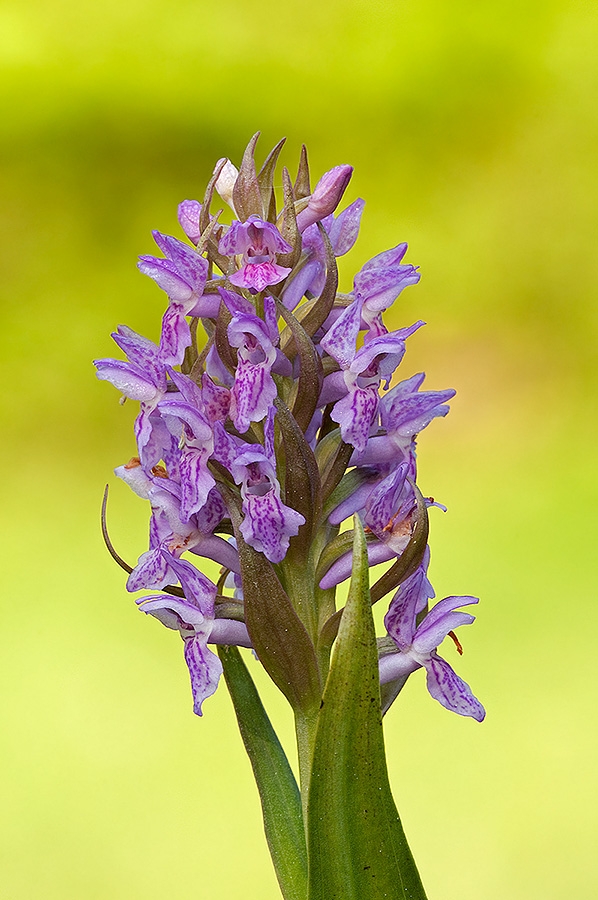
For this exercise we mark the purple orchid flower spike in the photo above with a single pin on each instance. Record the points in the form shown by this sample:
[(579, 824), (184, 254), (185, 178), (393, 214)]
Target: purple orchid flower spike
[(417, 646), (258, 242), (183, 276)]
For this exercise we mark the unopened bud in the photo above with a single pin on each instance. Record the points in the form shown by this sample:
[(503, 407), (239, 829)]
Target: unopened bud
[(326, 196), (226, 182)]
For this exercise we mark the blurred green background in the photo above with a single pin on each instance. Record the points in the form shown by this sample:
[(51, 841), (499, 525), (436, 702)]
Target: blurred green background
[(472, 130)]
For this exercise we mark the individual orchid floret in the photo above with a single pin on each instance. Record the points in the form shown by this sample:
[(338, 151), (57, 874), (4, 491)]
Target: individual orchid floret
[(254, 389), (183, 276), (363, 371), (258, 242), (404, 412), (417, 644), (342, 232), (170, 530), (325, 197), (198, 444), (267, 524), (143, 378), (193, 617), (381, 280), (387, 510)]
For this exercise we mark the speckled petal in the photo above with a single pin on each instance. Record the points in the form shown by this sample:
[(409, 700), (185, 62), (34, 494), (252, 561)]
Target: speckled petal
[(451, 691)]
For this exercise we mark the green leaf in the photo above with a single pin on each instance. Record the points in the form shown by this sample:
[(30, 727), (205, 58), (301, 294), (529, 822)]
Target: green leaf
[(356, 844), (279, 794), (265, 180), (278, 635), (246, 191)]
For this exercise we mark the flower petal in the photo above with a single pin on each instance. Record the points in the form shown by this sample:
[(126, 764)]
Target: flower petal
[(451, 691)]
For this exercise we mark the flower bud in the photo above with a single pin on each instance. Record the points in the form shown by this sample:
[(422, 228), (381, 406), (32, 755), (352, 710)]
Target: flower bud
[(326, 196), (226, 182)]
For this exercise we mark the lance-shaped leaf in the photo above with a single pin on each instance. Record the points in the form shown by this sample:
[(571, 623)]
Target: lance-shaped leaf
[(302, 478), (246, 191), (227, 354), (356, 844), (288, 228), (277, 634), (265, 180), (310, 374), (279, 794), (321, 310), (301, 187)]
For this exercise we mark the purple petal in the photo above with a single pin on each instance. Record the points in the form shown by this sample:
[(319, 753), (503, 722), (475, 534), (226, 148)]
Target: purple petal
[(128, 379), (257, 276), (152, 571), (345, 228), (166, 275), (216, 400), (175, 336), (196, 586), (268, 524), (253, 394), (294, 290), (192, 267), (387, 258), (384, 501), (340, 340), (174, 612), (189, 212), (205, 670), (196, 480), (355, 414), (451, 691), (441, 619)]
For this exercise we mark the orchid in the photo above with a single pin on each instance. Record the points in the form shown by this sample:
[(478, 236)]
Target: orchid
[(283, 450)]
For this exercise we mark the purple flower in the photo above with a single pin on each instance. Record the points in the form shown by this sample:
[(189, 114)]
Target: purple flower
[(363, 371), (183, 276), (258, 242), (254, 389), (143, 378), (342, 232), (404, 412), (193, 617), (417, 644), (326, 196), (268, 524), (170, 530), (381, 280), (386, 508)]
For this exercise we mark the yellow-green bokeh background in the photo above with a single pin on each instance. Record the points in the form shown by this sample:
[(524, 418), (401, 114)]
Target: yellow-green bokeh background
[(472, 130)]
